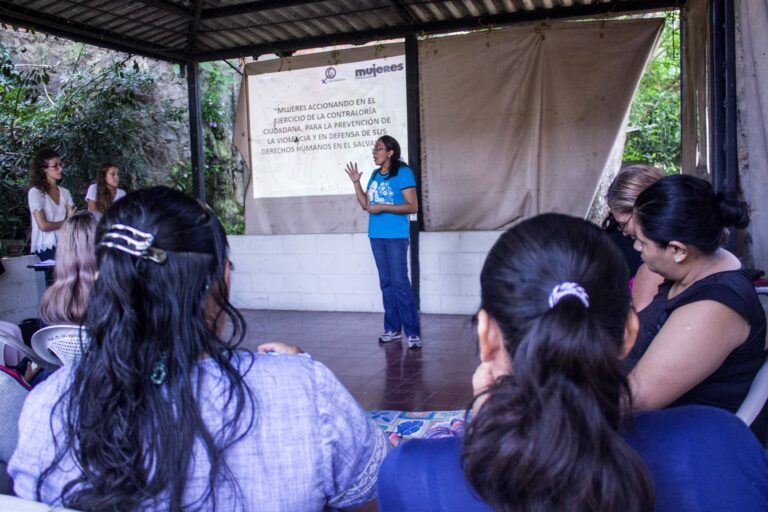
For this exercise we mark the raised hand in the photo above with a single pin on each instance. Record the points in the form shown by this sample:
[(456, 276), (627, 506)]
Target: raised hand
[(353, 173)]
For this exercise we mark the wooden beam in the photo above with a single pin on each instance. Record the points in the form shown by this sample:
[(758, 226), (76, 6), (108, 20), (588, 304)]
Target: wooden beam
[(196, 131), (169, 7), (194, 26), (251, 7), (404, 13)]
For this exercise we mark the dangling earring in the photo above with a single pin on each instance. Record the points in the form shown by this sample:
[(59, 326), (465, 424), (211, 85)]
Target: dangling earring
[(160, 370), (678, 258)]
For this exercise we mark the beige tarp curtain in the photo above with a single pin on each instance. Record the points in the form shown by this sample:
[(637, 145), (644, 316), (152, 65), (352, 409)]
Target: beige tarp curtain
[(515, 121), (752, 92), (522, 120), (695, 135)]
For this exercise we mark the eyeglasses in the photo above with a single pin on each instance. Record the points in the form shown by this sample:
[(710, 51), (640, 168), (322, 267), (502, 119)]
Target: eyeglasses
[(381, 148), (622, 226)]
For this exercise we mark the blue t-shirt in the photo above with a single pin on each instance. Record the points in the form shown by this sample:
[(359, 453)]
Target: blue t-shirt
[(389, 191), (700, 459)]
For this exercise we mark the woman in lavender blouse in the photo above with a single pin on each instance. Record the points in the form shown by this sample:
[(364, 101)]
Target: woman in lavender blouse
[(164, 413)]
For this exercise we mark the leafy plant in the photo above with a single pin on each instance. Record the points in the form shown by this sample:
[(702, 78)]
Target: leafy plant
[(654, 120), (217, 85), (223, 168), (95, 113)]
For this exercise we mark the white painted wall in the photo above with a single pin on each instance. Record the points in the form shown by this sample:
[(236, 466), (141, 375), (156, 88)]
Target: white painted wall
[(450, 265), (20, 289), (337, 272), (304, 272), (309, 272)]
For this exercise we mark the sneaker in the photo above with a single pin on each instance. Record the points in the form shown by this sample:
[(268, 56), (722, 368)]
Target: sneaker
[(388, 336), (414, 342)]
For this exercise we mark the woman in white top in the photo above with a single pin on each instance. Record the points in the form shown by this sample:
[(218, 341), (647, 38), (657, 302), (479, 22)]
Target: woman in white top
[(49, 204), (104, 192)]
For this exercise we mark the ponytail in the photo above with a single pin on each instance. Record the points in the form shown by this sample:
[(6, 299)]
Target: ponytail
[(547, 437)]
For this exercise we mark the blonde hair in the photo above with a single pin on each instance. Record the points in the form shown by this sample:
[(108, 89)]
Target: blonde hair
[(628, 184), (66, 300)]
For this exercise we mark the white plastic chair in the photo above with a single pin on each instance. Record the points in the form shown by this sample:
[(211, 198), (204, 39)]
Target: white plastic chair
[(756, 397), (12, 348), (12, 396), (758, 392), (60, 344)]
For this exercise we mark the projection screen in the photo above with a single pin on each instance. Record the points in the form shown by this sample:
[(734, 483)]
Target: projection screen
[(307, 117)]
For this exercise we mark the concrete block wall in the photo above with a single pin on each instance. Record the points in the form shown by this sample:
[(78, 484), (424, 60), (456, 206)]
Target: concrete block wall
[(20, 289), (450, 265), (304, 272), (337, 272), (309, 272)]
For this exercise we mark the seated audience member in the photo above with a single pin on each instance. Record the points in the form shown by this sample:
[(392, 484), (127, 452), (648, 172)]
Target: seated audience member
[(164, 413), (13, 391), (104, 191), (702, 339), (66, 300), (621, 196), (550, 430)]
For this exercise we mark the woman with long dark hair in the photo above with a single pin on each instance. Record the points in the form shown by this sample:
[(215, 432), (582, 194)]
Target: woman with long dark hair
[(105, 190), (389, 198), (702, 339), (49, 204), (163, 413), (552, 427)]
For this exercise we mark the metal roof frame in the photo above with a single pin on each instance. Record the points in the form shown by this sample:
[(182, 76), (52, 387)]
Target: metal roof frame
[(186, 31)]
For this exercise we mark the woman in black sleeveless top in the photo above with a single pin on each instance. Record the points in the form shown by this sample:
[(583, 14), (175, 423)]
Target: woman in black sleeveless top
[(702, 338)]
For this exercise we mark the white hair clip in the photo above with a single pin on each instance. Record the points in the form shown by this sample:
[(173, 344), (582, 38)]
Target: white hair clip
[(134, 242), (566, 289)]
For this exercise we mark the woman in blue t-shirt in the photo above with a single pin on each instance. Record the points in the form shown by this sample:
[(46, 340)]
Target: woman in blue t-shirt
[(389, 198)]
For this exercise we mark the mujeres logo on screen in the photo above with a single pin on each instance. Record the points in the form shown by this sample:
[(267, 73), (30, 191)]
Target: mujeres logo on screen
[(377, 70)]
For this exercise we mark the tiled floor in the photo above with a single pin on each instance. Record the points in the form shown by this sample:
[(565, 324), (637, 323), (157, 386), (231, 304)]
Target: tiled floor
[(387, 376)]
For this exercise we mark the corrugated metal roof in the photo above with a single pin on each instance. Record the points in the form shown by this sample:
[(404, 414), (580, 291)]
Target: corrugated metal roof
[(181, 30)]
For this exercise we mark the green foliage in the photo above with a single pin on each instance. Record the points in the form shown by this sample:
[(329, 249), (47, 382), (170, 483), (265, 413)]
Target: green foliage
[(180, 177), (19, 92), (654, 120), (96, 113), (217, 81)]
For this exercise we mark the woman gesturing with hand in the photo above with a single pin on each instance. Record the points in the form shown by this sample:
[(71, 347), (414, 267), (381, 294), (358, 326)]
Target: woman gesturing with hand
[(389, 198)]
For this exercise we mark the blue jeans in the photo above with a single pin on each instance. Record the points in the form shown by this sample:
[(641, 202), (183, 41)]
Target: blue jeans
[(396, 292)]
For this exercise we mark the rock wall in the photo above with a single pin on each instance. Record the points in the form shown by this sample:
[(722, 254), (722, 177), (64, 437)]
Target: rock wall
[(63, 57)]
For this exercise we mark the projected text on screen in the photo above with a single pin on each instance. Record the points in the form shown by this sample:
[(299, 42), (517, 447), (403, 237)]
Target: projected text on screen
[(306, 124)]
